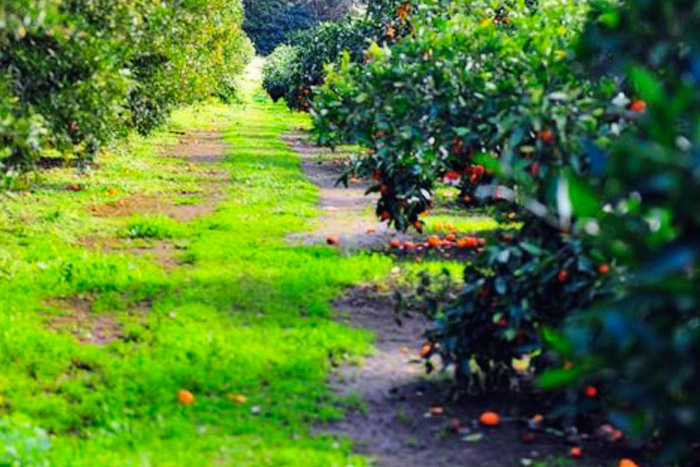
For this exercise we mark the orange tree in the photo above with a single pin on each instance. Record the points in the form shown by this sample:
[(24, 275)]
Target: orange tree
[(495, 97), (75, 74), (641, 350), (293, 71)]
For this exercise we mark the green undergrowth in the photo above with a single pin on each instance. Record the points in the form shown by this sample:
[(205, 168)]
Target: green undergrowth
[(245, 312)]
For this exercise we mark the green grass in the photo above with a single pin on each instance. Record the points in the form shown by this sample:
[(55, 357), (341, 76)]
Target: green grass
[(247, 314)]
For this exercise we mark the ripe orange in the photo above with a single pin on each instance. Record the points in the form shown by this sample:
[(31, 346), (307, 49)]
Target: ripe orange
[(451, 237), (185, 397), (452, 175), (490, 419), (627, 463), (604, 269), (332, 240), (591, 391), (409, 245), (546, 135), (563, 276), (576, 452), (638, 105), (425, 350), (434, 241), (395, 243)]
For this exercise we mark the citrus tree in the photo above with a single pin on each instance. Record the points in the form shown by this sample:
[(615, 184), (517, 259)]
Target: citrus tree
[(75, 74)]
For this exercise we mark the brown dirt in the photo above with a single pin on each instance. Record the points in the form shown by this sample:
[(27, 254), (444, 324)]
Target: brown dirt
[(397, 428), (345, 211), (196, 148), (85, 325)]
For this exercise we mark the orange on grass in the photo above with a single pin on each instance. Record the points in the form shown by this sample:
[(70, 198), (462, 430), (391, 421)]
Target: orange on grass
[(395, 243), (332, 240), (185, 397), (490, 419), (409, 245)]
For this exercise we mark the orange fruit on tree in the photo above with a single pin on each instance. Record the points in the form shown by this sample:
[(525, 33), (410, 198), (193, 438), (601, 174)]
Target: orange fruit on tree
[(452, 175), (604, 269), (490, 419), (576, 452), (546, 135), (638, 105), (185, 397)]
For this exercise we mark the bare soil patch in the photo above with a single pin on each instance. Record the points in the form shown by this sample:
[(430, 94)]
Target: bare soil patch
[(85, 325), (414, 419), (346, 212)]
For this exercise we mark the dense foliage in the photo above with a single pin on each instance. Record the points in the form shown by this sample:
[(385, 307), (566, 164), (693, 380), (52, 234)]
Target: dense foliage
[(592, 144), (75, 74), (270, 23), (326, 43), (642, 348)]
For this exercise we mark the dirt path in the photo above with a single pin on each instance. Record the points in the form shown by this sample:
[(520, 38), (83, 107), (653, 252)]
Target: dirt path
[(399, 425), (345, 211)]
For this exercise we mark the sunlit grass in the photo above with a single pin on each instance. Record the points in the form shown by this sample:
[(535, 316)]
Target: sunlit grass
[(246, 314)]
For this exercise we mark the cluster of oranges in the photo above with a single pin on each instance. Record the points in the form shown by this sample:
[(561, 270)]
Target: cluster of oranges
[(434, 241)]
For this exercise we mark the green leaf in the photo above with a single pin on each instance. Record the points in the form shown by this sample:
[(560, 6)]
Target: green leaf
[(646, 85), (583, 199)]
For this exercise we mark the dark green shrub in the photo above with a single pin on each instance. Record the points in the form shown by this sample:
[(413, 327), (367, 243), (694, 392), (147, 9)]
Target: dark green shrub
[(328, 41), (269, 23), (280, 71)]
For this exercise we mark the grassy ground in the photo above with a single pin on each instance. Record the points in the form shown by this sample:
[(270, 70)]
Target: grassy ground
[(246, 313)]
